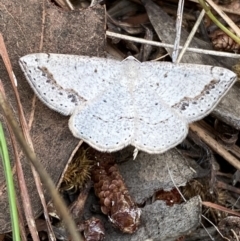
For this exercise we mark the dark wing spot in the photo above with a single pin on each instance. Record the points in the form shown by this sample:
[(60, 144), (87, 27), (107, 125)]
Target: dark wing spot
[(73, 98), (184, 105)]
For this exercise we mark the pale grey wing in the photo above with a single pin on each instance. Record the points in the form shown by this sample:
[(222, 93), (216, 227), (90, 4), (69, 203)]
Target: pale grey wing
[(157, 126), (64, 82), (107, 122), (192, 90)]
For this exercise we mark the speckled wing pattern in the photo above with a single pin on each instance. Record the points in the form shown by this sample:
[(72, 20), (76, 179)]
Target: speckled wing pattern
[(114, 104)]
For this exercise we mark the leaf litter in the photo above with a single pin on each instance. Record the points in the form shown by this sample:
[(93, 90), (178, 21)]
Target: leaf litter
[(62, 50)]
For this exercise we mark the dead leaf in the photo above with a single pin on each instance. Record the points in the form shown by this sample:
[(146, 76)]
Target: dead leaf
[(39, 26)]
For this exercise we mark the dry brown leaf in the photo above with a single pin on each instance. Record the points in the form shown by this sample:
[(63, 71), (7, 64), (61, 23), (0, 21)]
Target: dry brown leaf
[(39, 26)]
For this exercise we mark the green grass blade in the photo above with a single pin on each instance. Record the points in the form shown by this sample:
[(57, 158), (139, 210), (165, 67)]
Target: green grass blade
[(215, 20), (10, 185)]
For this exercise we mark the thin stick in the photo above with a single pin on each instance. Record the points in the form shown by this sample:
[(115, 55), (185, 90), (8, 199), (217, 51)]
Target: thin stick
[(184, 199), (69, 4), (158, 44), (218, 23), (216, 228), (235, 235), (225, 17), (178, 30), (24, 194), (191, 35), (220, 207), (215, 145), (224, 9), (25, 197), (175, 185)]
